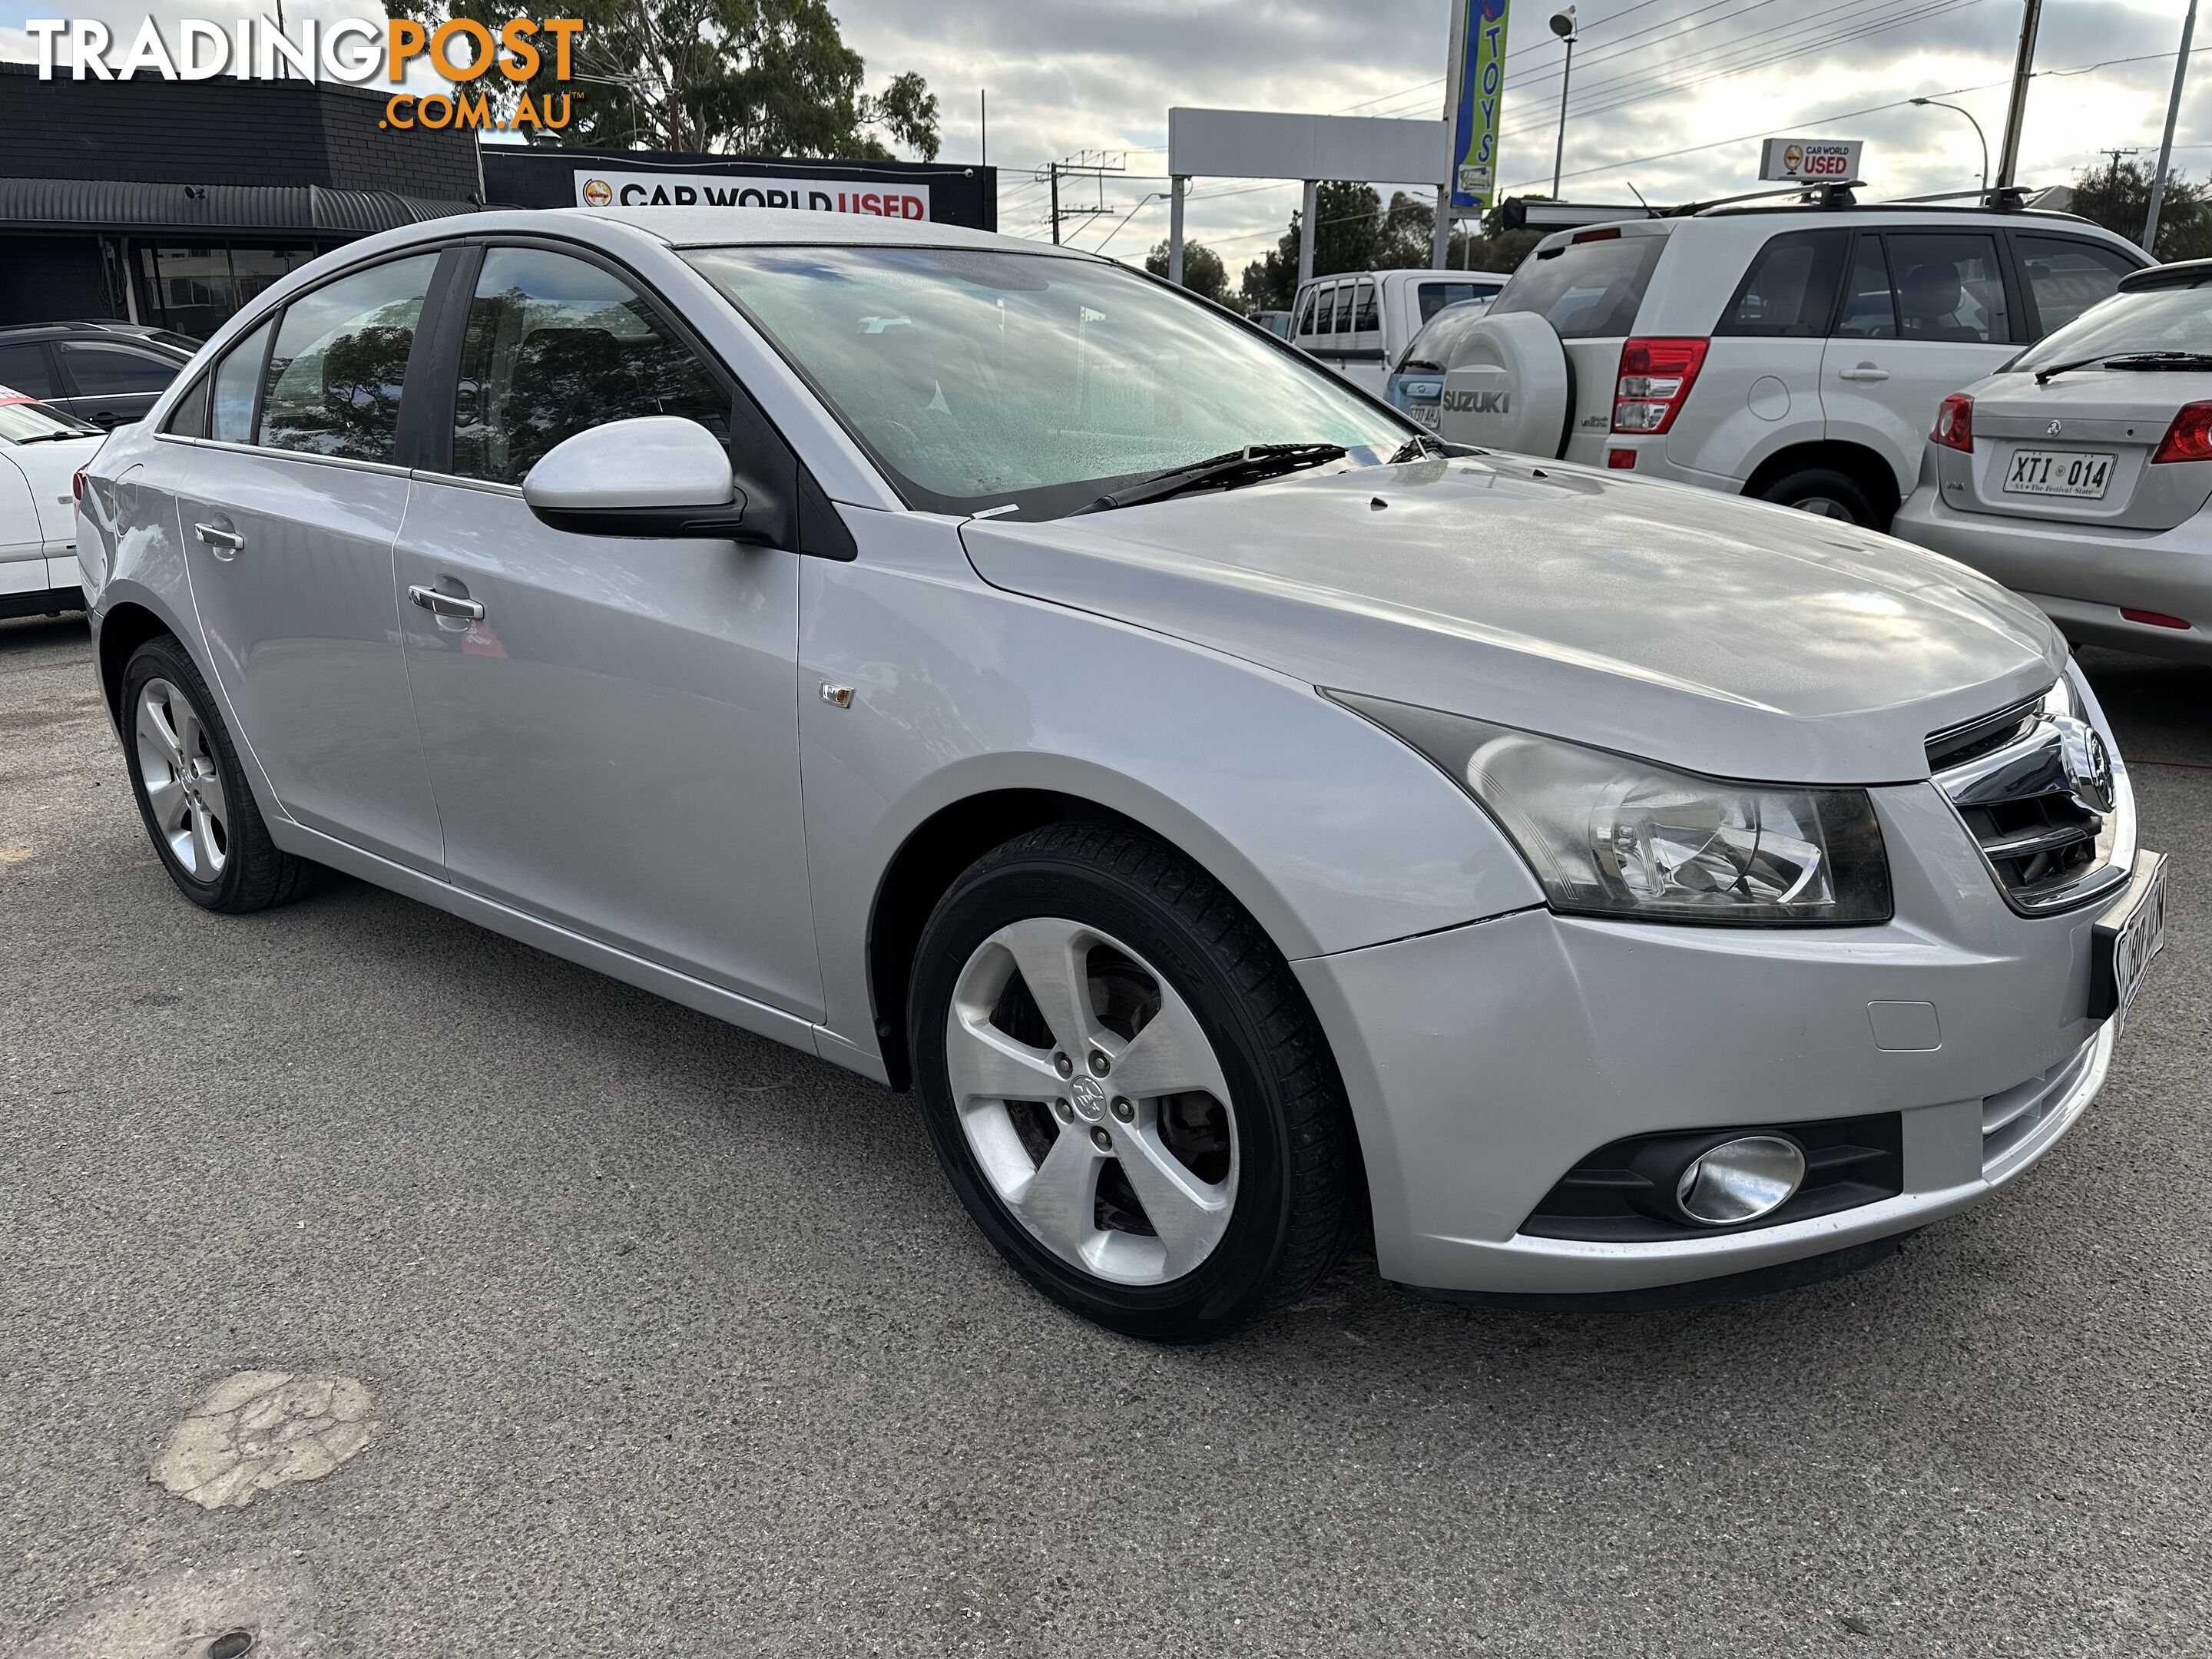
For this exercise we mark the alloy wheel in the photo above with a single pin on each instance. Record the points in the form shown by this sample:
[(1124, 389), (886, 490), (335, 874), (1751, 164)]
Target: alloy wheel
[(1092, 1101), (183, 781), (1824, 507)]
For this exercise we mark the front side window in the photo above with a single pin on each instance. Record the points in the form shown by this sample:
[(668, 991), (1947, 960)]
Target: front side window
[(334, 379), (980, 379), (103, 371), (2069, 276), (230, 409), (1790, 288), (1949, 287), (1869, 303), (1587, 290), (556, 346)]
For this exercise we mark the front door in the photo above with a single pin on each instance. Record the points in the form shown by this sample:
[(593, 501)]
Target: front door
[(614, 741), (286, 510), (1923, 316)]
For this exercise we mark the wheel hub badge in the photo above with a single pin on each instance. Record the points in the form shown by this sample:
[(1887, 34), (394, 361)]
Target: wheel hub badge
[(1088, 1095)]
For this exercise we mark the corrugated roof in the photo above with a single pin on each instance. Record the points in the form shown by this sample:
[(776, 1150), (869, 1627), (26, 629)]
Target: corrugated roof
[(103, 204)]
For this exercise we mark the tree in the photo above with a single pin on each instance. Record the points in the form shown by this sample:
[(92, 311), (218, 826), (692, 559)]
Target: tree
[(1203, 273), (769, 77), (2118, 196)]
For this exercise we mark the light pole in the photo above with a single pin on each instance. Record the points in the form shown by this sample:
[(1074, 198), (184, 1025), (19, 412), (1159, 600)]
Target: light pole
[(1937, 103), (1563, 25)]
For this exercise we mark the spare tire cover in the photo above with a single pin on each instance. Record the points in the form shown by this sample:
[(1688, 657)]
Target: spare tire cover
[(1507, 386)]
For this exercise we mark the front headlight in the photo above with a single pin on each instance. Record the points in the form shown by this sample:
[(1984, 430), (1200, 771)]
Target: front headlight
[(1609, 835)]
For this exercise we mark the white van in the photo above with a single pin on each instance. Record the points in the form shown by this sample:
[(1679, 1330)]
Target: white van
[(1357, 322), (1794, 353)]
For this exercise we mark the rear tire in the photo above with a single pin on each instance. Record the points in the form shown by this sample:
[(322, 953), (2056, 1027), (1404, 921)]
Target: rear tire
[(1166, 1213), (192, 795), (1827, 493)]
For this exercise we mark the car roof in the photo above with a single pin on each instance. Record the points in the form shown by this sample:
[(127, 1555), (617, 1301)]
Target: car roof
[(1887, 215), (729, 227)]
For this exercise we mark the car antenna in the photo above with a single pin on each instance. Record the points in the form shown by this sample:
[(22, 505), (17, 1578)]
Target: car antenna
[(1638, 195)]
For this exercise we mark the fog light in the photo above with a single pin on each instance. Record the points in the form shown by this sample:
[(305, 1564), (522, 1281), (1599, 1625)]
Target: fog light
[(1741, 1180)]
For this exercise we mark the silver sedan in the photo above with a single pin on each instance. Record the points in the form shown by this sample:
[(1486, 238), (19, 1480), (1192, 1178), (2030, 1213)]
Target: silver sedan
[(2080, 477)]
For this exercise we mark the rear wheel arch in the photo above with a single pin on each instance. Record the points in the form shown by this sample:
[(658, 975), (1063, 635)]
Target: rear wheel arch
[(122, 631), (1865, 467)]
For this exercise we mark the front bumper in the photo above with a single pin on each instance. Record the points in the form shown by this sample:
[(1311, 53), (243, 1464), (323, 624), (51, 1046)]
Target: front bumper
[(2082, 576), (1484, 1061)]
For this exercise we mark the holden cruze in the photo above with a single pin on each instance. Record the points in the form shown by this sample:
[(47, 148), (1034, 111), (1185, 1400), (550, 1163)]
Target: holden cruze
[(1248, 823)]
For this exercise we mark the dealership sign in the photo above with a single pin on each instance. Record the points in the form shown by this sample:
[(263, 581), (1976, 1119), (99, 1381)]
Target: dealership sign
[(601, 188), (1479, 81), (1813, 161)]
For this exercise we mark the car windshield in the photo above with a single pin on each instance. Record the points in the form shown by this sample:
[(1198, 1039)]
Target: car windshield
[(23, 422), (2149, 319), (980, 379)]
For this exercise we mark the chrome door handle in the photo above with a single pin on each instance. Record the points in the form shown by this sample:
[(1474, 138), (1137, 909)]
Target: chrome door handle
[(1863, 371), (228, 543), (446, 604)]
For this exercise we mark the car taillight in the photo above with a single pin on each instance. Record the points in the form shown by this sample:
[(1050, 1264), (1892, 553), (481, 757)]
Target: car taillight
[(1955, 423), (2189, 437), (77, 486), (1656, 376)]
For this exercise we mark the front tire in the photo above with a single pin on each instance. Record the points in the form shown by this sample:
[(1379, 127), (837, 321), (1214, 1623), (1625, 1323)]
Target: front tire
[(192, 794), (1127, 1087)]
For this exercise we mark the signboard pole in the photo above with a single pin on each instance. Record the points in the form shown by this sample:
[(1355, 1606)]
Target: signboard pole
[(1455, 70), (1175, 231), (1312, 206)]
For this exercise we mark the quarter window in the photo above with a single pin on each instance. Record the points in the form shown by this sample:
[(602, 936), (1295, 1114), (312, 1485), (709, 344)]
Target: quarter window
[(1789, 291), (2066, 276), (1949, 287), (334, 380), (556, 346)]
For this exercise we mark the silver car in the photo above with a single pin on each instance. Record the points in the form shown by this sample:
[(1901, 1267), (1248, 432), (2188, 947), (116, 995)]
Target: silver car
[(1249, 827), (2081, 475)]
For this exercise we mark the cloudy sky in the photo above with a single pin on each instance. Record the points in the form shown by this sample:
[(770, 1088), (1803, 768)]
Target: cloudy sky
[(1670, 95)]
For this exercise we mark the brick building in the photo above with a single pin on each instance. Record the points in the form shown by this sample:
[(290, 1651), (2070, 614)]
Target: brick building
[(171, 203)]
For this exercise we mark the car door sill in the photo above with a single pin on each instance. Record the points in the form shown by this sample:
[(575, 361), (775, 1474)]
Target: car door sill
[(680, 987)]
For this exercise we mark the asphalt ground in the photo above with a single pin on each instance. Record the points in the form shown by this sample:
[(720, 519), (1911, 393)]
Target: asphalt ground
[(680, 1346)]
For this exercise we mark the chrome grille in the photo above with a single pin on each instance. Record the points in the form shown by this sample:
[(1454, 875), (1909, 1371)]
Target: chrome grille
[(2038, 791)]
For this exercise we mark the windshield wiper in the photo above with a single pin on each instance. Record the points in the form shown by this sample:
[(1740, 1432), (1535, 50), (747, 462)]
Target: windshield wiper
[(2129, 360), (1254, 464), (54, 437)]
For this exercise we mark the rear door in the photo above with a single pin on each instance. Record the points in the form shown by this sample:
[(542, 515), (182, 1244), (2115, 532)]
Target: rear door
[(1760, 388), (1924, 313), (287, 511), (112, 385)]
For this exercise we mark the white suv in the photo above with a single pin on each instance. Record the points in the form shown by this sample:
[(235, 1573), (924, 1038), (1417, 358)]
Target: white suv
[(1357, 323), (1794, 353)]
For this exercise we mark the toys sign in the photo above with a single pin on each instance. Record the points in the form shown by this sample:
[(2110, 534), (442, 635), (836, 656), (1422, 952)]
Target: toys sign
[(1814, 160)]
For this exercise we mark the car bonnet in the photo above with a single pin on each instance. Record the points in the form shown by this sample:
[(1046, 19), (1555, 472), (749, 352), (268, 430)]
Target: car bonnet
[(1726, 637)]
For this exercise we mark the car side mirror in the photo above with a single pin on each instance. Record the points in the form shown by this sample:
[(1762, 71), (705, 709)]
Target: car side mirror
[(657, 475)]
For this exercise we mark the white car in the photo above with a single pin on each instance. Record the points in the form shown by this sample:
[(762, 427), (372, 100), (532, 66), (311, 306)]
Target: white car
[(1793, 353), (1246, 825), (40, 450), (1360, 323)]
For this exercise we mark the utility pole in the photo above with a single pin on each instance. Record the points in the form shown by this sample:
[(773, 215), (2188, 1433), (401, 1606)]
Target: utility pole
[(983, 114), (2165, 144), (2023, 70), (1080, 163), (1052, 169)]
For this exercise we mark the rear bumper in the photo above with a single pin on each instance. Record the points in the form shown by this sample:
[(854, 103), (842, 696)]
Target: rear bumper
[(2083, 575), (1486, 1061)]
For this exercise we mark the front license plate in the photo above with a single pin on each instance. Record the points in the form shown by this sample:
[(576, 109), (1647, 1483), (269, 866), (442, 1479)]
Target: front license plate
[(2128, 936), (2058, 472)]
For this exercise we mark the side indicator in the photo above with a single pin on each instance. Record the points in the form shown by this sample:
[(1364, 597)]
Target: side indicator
[(837, 696)]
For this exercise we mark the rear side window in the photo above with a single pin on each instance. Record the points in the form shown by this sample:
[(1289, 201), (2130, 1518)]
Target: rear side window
[(1869, 302), (23, 369), (101, 371), (1790, 292), (2066, 276), (1949, 287), (230, 408), (1365, 320), (1586, 290), (334, 379)]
